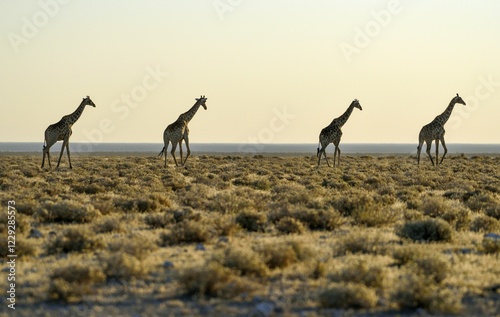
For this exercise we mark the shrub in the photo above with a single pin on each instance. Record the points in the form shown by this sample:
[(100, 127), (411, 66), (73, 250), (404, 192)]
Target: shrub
[(282, 254), (243, 260), (109, 225), (122, 266), (417, 291), (360, 272), (433, 266), (478, 201), (252, 220), (355, 200), (71, 282), (434, 206), (361, 244), (187, 231), (483, 223), (490, 244), (134, 244), (426, 230), (407, 254), (319, 219), (493, 211), (67, 212), (214, 280), (374, 215), (159, 220), (290, 225), (348, 296), (73, 240)]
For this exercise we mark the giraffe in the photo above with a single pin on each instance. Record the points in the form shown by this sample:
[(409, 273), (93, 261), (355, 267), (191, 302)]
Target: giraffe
[(62, 131), (333, 133), (435, 131), (179, 131)]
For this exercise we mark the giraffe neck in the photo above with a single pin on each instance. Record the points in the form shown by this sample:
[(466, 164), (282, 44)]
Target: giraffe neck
[(340, 121), (73, 117), (188, 115), (442, 118)]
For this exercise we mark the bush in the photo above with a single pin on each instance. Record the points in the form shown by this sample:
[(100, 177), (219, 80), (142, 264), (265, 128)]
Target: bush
[(426, 230), (319, 219), (109, 225), (360, 272), (361, 244), (245, 261), (135, 245), (283, 254), (214, 280), (252, 220), (67, 212), (122, 266), (348, 296), (187, 231), (490, 244), (73, 240), (417, 291), (159, 220), (483, 223), (374, 215), (290, 225), (71, 282)]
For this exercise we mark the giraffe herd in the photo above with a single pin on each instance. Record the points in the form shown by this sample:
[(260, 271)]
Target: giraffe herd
[(178, 131)]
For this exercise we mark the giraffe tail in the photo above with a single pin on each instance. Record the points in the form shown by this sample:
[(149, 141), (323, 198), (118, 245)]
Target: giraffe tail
[(317, 151), (162, 150)]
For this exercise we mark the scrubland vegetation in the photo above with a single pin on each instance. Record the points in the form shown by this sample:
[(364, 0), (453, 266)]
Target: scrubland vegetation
[(253, 235)]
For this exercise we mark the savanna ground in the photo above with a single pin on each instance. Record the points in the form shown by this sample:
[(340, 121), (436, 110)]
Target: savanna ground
[(253, 235)]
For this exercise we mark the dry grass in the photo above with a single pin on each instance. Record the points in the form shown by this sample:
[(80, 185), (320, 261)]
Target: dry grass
[(123, 236)]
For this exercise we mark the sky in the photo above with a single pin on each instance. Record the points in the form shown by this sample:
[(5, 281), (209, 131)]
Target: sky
[(273, 71)]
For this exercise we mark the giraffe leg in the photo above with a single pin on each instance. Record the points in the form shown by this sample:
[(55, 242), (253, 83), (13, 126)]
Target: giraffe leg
[(46, 151), (69, 157), (419, 148), (60, 155), (428, 150), (180, 149), (335, 155), (437, 152), (43, 159), (174, 146), (338, 149), (445, 149), (186, 139), (165, 153), (326, 158), (48, 157)]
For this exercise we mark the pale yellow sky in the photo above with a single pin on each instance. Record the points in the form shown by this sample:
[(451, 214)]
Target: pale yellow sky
[(273, 71)]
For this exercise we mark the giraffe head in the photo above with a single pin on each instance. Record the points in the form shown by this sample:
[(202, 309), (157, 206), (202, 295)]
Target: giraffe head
[(458, 99), (202, 100), (355, 104), (88, 102)]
